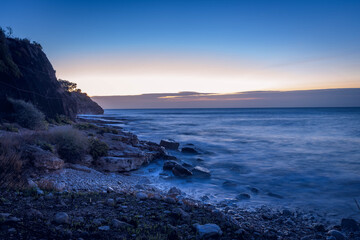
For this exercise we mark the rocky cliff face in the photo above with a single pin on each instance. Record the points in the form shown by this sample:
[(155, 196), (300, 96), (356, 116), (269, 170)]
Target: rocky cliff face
[(27, 74)]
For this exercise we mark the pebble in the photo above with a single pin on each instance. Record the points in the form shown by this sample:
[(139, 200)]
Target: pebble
[(110, 202), (141, 196), (61, 218), (104, 228), (174, 191), (119, 224)]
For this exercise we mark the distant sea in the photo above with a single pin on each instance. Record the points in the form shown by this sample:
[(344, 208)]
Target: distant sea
[(305, 158)]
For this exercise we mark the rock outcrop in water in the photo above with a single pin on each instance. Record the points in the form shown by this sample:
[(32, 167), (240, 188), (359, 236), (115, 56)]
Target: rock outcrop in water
[(27, 74)]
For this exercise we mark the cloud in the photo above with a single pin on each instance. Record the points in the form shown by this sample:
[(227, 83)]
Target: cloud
[(346, 97)]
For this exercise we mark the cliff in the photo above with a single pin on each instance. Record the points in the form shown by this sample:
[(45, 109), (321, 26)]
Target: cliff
[(27, 74)]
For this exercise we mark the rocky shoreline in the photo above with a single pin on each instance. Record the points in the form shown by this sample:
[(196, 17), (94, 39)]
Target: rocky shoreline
[(100, 197)]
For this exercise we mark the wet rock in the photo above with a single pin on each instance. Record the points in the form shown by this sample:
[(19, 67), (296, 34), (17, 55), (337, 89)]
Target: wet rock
[(201, 172), (174, 191), (189, 150), (187, 165), (181, 171), (169, 144), (336, 234), (349, 225), (61, 218), (169, 165), (169, 157), (319, 227), (243, 196), (254, 190), (208, 231), (274, 195), (119, 224)]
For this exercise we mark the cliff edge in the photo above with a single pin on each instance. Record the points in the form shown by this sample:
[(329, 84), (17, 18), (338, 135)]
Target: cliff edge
[(27, 74)]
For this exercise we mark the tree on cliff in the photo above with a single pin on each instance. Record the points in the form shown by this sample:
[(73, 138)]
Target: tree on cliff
[(68, 86)]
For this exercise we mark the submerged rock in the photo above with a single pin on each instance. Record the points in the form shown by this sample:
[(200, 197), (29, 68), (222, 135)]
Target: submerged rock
[(208, 231), (189, 150), (169, 165), (349, 225), (201, 172), (169, 144), (243, 196), (181, 171)]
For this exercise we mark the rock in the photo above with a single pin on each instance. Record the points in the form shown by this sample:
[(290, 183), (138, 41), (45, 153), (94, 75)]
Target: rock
[(49, 196), (254, 190), (181, 171), (328, 238), (319, 227), (123, 164), (169, 144), (189, 150), (229, 183), (337, 235), (187, 165), (243, 196), (178, 213), (141, 196), (59, 186), (78, 220), (39, 192), (287, 212), (44, 159), (110, 202), (98, 221), (170, 200), (33, 213), (104, 228), (32, 184), (169, 157), (119, 224), (174, 191), (61, 218), (169, 165), (349, 225), (201, 172), (208, 231)]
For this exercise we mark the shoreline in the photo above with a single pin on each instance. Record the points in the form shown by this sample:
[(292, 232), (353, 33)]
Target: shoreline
[(81, 180)]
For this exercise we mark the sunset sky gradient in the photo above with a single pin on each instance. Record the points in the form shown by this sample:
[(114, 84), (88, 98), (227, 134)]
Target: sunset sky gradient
[(136, 47)]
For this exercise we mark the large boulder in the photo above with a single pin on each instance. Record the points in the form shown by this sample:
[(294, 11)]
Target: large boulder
[(120, 164), (169, 144), (44, 159)]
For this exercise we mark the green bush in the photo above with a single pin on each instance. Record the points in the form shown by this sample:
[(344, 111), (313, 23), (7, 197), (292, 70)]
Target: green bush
[(71, 144), (9, 127), (107, 130), (27, 115), (97, 148), (46, 146)]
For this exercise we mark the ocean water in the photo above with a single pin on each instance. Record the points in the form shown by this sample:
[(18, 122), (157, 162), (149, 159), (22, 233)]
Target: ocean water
[(295, 157)]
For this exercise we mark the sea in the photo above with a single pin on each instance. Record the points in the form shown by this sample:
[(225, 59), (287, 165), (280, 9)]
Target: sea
[(301, 158)]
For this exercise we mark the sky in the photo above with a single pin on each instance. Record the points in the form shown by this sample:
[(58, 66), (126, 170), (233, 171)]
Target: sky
[(141, 47)]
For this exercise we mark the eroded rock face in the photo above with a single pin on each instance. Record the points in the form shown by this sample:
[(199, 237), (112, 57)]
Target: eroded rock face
[(27, 74), (119, 164), (44, 159)]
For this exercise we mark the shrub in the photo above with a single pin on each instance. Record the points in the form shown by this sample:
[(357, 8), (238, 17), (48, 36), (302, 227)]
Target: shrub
[(85, 126), (62, 119), (97, 148), (27, 115), (71, 144), (107, 130), (46, 146), (9, 127), (11, 164)]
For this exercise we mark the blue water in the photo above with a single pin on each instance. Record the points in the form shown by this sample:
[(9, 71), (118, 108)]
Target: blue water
[(300, 157)]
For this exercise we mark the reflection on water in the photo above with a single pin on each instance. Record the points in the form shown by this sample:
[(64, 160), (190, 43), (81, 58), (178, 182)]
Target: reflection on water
[(294, 157)]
